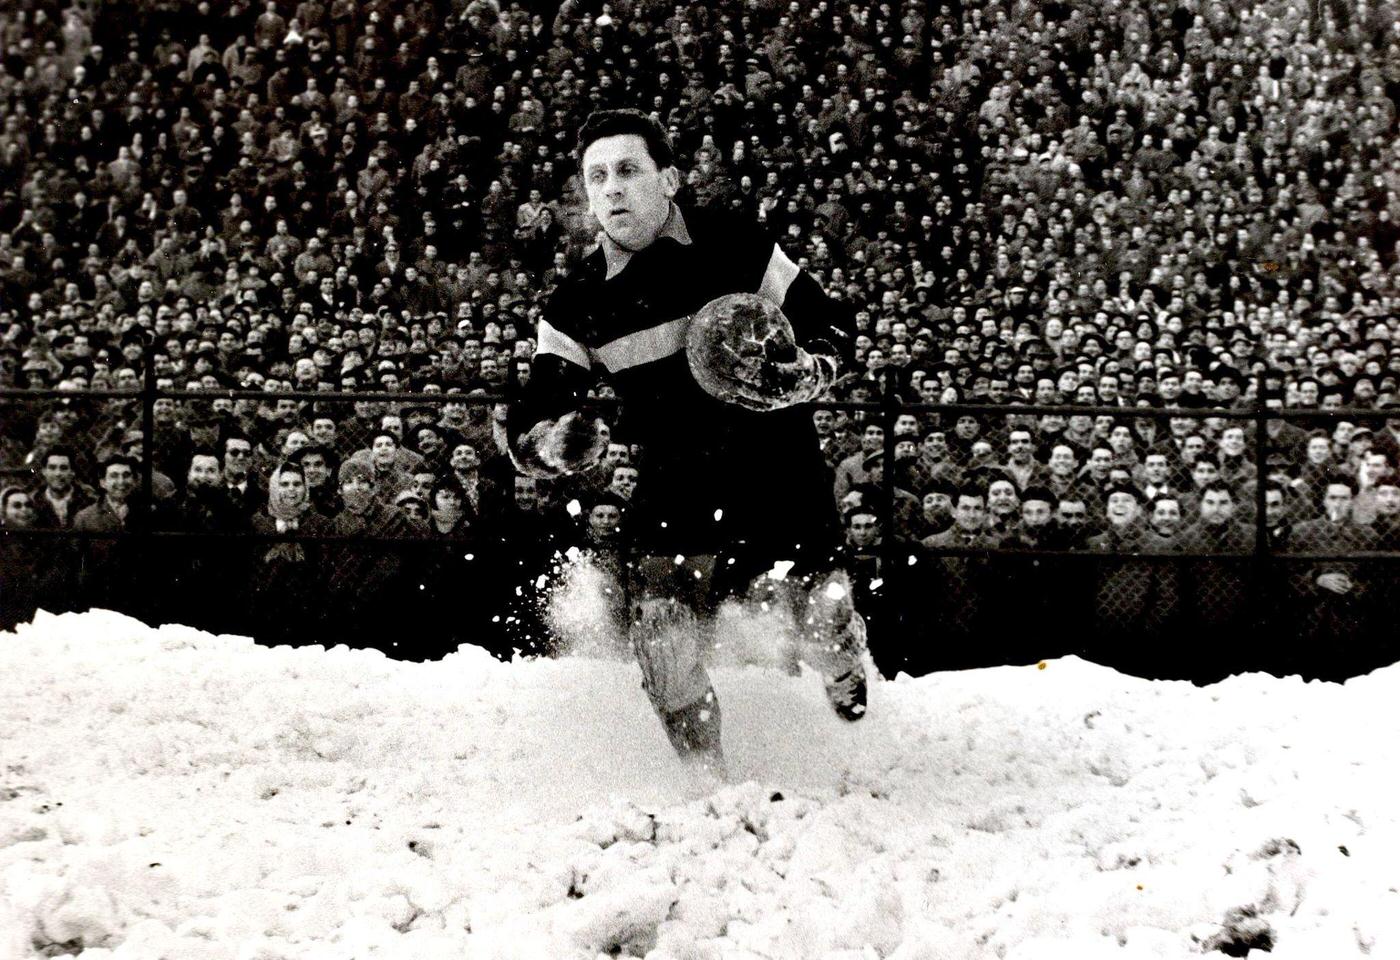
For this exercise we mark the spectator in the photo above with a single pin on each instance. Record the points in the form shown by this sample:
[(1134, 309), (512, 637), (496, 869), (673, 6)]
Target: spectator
[(447, 512), (287, 580), (319, 466), (38, 573), (1218, 591), (1003, 511), (1332, 592), (854, 469), (1164, 523), (368, 579), (246, 495), (936, 508), (60, 497), (112, 511)]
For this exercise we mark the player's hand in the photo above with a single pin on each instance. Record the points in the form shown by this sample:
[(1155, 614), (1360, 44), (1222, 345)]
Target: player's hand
[(568, 444), (1338, 583), (741, 350)]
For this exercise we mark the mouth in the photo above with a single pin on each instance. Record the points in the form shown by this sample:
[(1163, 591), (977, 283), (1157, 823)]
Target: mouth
[(620, 212)]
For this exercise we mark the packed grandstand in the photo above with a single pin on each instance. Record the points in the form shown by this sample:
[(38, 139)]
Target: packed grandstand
[(1127, 204)]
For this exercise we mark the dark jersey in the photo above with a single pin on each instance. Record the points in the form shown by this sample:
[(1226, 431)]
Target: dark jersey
[(713, 474)]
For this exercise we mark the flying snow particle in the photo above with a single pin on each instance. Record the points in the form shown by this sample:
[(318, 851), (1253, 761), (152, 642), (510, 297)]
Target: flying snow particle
[(913, 560), (781, 569), (835, 591), (573, 553), (877, 583), (680, 559), (541, 580), (574, 508), (719, 514)]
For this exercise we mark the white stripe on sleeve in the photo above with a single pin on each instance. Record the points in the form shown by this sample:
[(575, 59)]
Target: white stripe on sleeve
[(778, 277), (552, 341)]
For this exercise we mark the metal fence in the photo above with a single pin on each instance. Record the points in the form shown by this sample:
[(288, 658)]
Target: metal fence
[(1273, 589)]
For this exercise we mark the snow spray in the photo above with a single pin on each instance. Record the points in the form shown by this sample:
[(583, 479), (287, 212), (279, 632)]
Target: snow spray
[(584, 609)]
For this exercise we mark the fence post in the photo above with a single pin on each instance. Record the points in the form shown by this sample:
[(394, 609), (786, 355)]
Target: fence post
[(1261, 524), (148, 431), (890, 404)]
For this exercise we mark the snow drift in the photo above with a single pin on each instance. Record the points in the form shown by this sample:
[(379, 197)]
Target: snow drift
[(171, 794)]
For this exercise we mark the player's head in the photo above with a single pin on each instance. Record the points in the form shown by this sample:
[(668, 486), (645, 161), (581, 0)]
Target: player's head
[(629, 173)]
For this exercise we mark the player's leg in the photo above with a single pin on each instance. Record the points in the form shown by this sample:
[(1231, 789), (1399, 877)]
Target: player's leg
[(669, 639), (828, 633), (834, 642)]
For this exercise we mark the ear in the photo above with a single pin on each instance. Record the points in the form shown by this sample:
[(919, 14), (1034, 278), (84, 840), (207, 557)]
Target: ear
[(670, 181)]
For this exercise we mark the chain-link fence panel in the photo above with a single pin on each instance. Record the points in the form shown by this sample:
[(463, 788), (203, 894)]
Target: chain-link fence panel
[(325, 519), (1153, 615), (81, 430)]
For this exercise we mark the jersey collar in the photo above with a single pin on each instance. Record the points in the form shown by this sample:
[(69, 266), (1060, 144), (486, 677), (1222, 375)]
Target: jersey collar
[(617, 257)]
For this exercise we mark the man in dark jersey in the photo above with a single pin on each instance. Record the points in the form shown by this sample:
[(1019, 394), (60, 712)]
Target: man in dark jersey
[(732, 479)]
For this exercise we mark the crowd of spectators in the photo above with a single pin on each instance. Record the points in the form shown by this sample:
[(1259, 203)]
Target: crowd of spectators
[(1136, 203)]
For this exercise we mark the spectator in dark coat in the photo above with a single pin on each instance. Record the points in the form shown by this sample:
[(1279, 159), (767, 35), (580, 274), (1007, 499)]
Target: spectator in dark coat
[(1218, 592), (60, 497), (37, 572), (1131, 607), (111, 568), (367, 581), (1333, 641), (288, 590)]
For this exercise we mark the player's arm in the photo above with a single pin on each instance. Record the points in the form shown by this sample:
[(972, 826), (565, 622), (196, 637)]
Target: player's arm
[(823, 327), (547, 432)]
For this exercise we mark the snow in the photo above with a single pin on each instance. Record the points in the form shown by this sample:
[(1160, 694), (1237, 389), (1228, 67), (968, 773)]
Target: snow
[(170, 794)]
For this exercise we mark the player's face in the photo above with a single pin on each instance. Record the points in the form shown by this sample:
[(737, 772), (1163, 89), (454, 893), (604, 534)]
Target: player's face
[(628, 194)]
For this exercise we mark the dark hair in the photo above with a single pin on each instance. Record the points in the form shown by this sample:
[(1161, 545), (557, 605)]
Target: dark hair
[(234, 435), (614, 123), (869, 493), (1127, 488), (332, 460), (1040, 493), (290, 466), (447, 483), (119, 459), (1340, 480), (971, 490), (939, 485), (1219, 486), (607, 499), (60, 450)]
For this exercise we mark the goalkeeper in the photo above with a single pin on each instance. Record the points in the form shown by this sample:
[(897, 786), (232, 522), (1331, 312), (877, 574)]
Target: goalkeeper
[(733, 478)]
